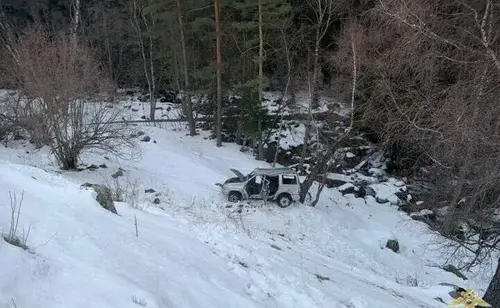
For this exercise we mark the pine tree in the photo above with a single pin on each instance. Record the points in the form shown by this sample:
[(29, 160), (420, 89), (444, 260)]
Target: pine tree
[(256, 27)]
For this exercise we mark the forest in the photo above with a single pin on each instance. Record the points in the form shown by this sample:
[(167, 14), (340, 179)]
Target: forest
[(421, 78)]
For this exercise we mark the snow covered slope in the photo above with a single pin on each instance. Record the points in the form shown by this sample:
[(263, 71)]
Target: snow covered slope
[(83, 256), (196, 250)]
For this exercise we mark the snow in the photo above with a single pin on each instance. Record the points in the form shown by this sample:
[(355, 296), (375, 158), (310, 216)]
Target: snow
[(194, 249), (349, 155)]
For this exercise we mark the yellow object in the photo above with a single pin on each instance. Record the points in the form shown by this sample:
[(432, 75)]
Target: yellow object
[(469, 299)]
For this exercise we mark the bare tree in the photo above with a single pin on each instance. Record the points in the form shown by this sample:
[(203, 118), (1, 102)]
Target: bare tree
[(57, 85), (323, 18), (346, 59), (138, 20), (440, 90)]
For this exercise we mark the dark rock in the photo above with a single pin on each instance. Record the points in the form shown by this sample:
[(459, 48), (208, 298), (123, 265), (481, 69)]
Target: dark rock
[(134, 109), (110, 106), (146, 139), (348, 190), (104, 196), (406, 207), (330, 183), (157, 201), (322, 278), (18, 137), (370, 191), (426, 216), (143, 117), (159, 108), (92, 167), (117, 174), (393, 245), (103, 166), (402, 195), (150, 191), (154, 141), (452, 269), (140, 133), (381, 201)]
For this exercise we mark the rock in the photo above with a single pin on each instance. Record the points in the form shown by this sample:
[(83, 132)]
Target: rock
[(135, 109), (452, 269), (103, 166), (92, 167), (157, 201), (146, 139), (406, 207), (330, 183), (381, 200), (393, 245), (104, 196), (150, 191), (117, 174), (143, 117), (154, 141), (403, 195), (425, 215), (347, 188), (140, 133)]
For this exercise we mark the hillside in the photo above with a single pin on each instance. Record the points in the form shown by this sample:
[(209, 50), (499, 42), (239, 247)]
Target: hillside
[(193, 249)]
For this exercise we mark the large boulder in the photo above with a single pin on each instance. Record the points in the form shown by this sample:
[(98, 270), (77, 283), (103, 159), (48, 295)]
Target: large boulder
[(393, 245), (104, 196)]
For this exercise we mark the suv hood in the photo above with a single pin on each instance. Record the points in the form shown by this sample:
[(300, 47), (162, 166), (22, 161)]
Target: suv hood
[(240, 175)]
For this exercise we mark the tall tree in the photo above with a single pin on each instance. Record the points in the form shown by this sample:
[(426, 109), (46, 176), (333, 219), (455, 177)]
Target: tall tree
[(258, 25), (187, 98), (323, 12), (141, 19), (218, 73)]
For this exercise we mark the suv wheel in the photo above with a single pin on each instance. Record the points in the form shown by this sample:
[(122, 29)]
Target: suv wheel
[(284, 200), (234, 196)]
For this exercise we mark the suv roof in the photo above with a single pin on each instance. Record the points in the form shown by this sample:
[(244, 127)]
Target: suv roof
[(274, 171)]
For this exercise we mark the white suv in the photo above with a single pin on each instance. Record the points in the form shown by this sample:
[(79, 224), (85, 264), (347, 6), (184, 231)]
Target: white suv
[(278, 184)]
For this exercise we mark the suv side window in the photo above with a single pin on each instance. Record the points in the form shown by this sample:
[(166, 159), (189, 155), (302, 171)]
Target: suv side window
[(289, 179)]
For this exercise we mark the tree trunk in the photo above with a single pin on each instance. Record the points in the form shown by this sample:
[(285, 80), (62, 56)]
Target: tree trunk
[(285, 94), (187, 97), (321, 164), (492, 295), (76, 22), (219, 81), (152, 90), (260, 153), (149, 78)]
